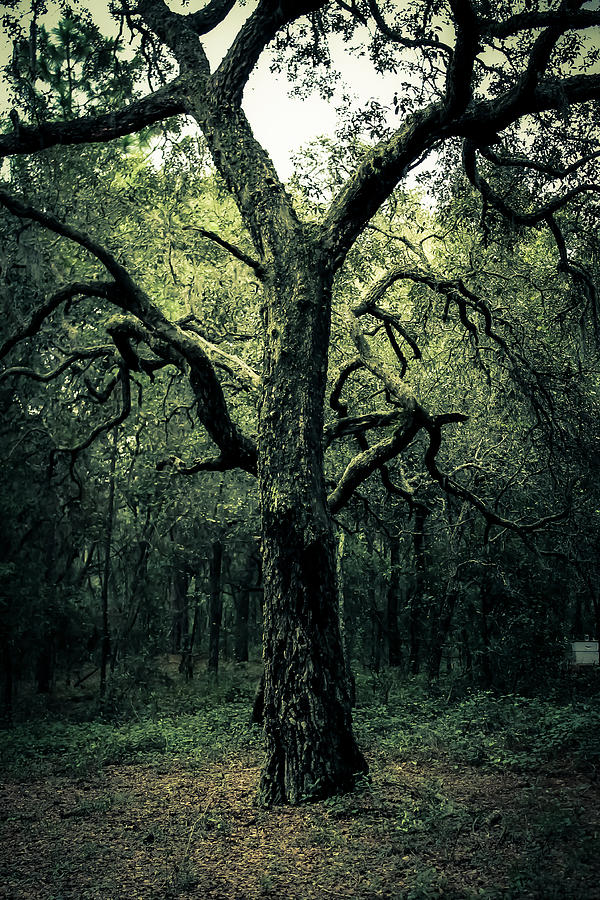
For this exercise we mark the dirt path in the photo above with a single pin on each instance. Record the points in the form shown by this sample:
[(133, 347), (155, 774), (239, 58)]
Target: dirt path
[(412, 834)]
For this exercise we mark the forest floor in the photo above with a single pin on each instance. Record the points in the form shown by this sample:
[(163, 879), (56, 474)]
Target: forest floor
[(163, 808)]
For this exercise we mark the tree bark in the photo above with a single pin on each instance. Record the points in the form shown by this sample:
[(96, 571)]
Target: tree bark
[(179, 610), (310, 748), (242, 609), (186, 664), (44, 667), (376, 631), (465, 652), (7, 687), (439, 633), (485, 661), (342, 614)]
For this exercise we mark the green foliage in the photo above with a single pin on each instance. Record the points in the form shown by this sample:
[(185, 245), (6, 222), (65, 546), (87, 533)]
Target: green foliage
[(88, 747), (485, 729), (69, 69), (406, 831)]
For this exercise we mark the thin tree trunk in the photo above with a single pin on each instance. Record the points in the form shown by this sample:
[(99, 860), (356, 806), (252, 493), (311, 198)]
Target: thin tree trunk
[(179, 610), (45, 661), (44, 667), (416, 598), (466, 655), (242, 609), (258, 704), (7, 688), (578, 618), (86, 564), (215, 608), (376, 632), (108, 533), (186, 664), (342, 610), (393, 632), (485, 662), (440, 633), (137, 597)]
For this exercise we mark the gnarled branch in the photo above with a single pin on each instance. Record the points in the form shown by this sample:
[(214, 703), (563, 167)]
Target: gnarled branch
[(493, 199), (64, 295), (108, 425), (360, 424), (367, 462)]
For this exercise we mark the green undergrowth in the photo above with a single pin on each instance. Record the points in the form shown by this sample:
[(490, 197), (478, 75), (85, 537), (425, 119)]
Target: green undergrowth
[(483, 728), (45, 746), (480, 729)]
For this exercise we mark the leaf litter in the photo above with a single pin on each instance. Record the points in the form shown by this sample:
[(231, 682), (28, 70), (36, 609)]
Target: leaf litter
[(414, 831)]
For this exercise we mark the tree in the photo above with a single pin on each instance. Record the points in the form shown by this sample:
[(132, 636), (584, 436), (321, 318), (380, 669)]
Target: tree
[(501, 83)]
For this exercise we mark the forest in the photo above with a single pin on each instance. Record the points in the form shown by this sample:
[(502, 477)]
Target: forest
[(301, 475)]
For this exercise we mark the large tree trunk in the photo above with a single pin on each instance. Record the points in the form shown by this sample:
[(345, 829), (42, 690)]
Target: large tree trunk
[(310, 747)]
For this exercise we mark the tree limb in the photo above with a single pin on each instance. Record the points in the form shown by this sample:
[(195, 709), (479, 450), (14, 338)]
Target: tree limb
[(396, 386), (248, 260), (111, 423), (233, 365), (259, 29), (178, 346), (345, 372), (523, 162), (459, 75), (531, 20), (162, 335), (365, 463), (41, 377), (211, 15), (398, 37), (388, 162), (360, 424), (156, 107), (218, 463), (449, 486), (39, 315), (490, 196), (178, 32)]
